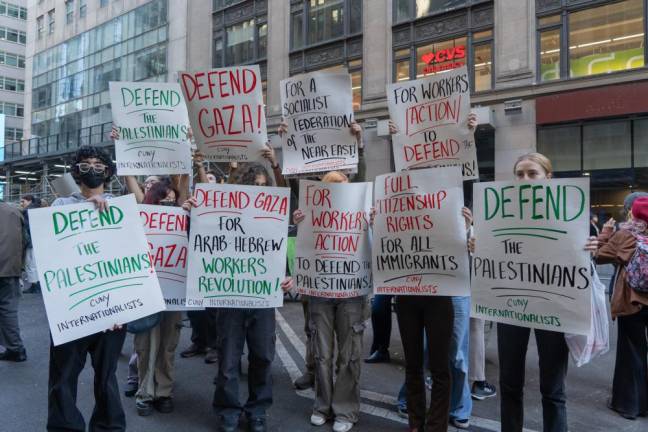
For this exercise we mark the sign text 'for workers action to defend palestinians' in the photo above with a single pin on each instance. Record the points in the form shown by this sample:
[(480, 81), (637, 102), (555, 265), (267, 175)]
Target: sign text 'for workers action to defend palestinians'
[(153, 127), (226, 112), (318, 109), (529, 268), (237, 246), (419, 234), (333, 253), (94, 267), (167, 234), (431, 115)]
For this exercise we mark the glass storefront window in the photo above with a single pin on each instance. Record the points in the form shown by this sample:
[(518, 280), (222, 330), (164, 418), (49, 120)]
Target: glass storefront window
[(549, 20), (240, 43), (607, 38), (429, 62), (325, 20), (550, 55), (356, 89), (562, 145), (483, 66), (606, 145), (403, 70), (640, 135)]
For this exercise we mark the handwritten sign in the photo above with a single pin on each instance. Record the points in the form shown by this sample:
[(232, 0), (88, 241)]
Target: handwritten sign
[(167, 233), (333, 256), (432, 119), (153, 126), (94, 268), (318, 108), (227, 113), (420, 234), (529, 267), (237, 246)]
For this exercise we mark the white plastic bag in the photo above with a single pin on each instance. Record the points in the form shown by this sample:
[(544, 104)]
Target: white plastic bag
[(585, 348)]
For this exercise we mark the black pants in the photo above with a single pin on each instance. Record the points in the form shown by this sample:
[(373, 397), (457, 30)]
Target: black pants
[(553, 356), (204, 327), (236, 326), (432, 317), (630, 385), (66, 363), (381, 322)]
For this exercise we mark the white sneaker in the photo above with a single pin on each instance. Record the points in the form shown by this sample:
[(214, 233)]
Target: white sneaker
[(317, 420), (342, 426)]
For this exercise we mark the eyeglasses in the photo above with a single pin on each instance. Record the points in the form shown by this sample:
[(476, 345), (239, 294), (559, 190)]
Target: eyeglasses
[(85, 167)]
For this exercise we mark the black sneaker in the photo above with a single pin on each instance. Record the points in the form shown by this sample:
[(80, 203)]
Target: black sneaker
[(193, 351), (305, 381), (130, 389), (212, 356), (163, 405), (14, 356), (482, 390), (144, 408), (256, 424)]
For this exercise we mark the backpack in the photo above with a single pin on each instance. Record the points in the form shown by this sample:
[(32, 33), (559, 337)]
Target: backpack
[(637, 267)]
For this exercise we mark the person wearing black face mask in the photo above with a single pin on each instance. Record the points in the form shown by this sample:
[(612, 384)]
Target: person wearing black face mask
[(93, 168)]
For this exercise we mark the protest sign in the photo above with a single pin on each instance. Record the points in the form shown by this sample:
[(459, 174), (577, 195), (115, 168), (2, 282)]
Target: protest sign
[(167, 232), (529, 266), (420, 234), (237, 246), (318, 109), (431, 115), (333, 256), (226, 112), (153, 125), (94, 268)]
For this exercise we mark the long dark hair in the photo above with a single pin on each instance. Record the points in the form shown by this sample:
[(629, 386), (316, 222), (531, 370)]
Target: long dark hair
[(249, 174), (159, 192)]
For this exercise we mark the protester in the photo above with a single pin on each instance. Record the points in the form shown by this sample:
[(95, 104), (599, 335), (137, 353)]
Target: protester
[(381, 322), (237, 326), (630, 306), (512, 342), (30, 276), (13, 242), (331, 320), (481, 389), (93, 168)]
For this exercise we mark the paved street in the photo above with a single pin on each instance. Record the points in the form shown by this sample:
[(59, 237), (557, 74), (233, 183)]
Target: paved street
[(23, 401)]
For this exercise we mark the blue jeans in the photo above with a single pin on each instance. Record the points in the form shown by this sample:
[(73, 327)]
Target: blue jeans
[(460, 400)]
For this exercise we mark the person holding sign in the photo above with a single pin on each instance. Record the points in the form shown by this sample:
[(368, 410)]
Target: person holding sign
[(93, 168), (240, 325), (512, 342), (627, 249), (156, 347)]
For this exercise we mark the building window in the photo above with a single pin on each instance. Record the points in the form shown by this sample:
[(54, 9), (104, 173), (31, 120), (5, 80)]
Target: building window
[(240, 43), (11, 35), (50, 21), (598, 40), (40, 26), (243, 39), (563, 141), (69, 11), (640, 135), (103, 3), (262, 32), (12, 84), (83, 8), (12, 109), (13, 11), (10, 59), (412, 9), (326, 20), (13, 134)]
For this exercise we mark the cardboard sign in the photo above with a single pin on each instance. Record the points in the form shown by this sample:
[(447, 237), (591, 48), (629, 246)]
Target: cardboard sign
[(237, 246), (420, 234), (167, 234), (333, 256), (529, 266), (432, 119), (94, 268), (318, 108), (153, 125), (227, 113)]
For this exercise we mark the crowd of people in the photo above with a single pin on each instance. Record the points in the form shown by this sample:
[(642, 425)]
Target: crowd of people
[(444, 348)]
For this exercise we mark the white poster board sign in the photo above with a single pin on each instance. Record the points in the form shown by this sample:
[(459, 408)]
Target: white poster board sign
[(153, 125), (529, 266), (167, 234), (237, 246), (420, 234), (333, 251), (431, 115), (226, 112), (318, 109), (94, 268)]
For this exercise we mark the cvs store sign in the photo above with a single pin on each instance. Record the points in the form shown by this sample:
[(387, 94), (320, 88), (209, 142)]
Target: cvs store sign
[(445, 59)]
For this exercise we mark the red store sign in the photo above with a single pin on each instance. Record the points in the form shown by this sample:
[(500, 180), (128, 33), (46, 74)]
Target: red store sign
[(452, 57)]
